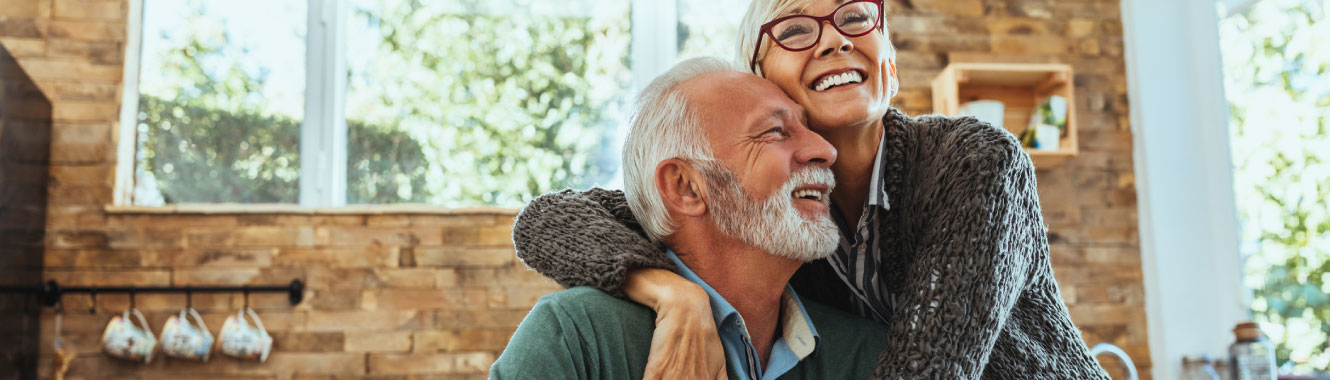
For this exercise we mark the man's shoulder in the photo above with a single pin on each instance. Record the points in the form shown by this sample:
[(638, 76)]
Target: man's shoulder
[(587, 296), (579, 333), (595, 316), (588, 304), (580, 294), (848, 346)]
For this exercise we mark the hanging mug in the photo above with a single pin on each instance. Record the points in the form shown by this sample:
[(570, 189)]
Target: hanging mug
[(183, 340), (123, 339), (241, 340)]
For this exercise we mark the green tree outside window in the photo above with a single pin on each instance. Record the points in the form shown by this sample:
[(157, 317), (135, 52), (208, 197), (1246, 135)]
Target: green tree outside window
[(451, 103), (1276, 57)]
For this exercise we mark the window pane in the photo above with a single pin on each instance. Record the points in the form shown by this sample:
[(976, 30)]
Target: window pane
[(709, 27), (221, 100), (1275, 61), (466, 103)]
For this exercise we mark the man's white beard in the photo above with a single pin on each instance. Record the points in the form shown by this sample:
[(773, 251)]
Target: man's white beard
[(773, 225)]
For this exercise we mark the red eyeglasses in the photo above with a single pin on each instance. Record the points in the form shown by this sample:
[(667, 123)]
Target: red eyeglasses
[(801, 32)]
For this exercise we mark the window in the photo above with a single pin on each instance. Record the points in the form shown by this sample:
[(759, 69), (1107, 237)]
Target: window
[(455, 103), (220, 102), (484, 103), (709, 28), (1275, 66)]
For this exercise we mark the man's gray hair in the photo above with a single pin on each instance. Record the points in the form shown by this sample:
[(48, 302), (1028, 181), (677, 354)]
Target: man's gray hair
[(664, 125), (760, 12)]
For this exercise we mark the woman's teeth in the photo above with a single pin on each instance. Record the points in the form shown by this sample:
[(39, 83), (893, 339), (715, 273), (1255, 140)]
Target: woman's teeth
[(848, 77)]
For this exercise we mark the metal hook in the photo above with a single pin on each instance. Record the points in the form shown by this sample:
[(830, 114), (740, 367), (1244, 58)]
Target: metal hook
[(131, 297), (51, 293), (189, 297), (246, 291), (59, 317), (93, 293), (296, 291)]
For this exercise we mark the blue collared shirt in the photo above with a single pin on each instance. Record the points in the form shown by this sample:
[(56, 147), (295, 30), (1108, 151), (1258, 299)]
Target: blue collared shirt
[(797, 338)]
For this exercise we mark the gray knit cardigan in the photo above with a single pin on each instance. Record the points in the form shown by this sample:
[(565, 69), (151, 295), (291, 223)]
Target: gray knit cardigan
[(964, 252)]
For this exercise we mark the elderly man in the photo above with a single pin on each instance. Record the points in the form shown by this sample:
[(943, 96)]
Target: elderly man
[(720, 168)]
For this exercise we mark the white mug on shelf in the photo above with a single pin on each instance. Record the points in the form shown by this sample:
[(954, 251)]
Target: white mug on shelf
[(989, 111), (183, 340), (125, 340), (1047, 137), (241, 340)]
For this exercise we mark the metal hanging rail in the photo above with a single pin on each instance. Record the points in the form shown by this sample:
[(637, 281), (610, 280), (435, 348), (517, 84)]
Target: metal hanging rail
[(52, 291)]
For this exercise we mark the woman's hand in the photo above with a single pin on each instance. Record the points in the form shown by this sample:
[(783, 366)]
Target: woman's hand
[(685, 344)]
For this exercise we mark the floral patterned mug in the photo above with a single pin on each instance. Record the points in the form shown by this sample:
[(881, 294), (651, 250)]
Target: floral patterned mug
[(125, 340), (183, 340), (240, 340)]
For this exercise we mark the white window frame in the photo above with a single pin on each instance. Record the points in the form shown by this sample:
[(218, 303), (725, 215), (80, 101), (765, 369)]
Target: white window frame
[(123, 190), (1188, 216), (323, 134), (655, 40)]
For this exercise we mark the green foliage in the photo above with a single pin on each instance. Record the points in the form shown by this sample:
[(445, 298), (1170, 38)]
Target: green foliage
[(454, 103), (1275, 59), (205, 155), (204, 135), (522, 105), (383, 166)]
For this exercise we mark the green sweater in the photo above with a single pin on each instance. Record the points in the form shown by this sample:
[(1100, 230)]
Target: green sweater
[(583, 333)]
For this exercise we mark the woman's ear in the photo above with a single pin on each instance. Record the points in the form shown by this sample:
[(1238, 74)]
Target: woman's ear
[(680, 188), (893, 84)]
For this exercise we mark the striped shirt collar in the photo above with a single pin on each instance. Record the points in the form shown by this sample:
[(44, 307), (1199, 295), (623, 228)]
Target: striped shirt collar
[(877, 188)]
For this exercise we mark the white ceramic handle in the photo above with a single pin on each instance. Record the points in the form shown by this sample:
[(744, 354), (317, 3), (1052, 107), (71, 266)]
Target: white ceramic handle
[(143, 322), (197, 319), (258, 323)]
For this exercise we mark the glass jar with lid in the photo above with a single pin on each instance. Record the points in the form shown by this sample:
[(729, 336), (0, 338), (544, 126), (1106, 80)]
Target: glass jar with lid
[(1252, 356)]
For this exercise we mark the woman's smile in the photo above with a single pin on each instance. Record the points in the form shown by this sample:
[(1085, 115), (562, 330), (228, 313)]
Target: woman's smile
[(837, 79), (840, 80)]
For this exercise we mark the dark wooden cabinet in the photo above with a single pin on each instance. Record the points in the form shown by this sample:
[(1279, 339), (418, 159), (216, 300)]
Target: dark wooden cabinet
[(25, 151)]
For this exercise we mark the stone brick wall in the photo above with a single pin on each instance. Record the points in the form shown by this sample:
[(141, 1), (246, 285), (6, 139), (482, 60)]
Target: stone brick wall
[(387, 294), (404, 294)]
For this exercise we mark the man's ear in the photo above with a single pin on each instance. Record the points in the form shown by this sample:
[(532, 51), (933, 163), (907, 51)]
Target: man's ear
[(680, 187)]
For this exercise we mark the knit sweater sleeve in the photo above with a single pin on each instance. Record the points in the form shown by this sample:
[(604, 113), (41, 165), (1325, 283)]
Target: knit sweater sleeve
[(980, 232), (585, 238)]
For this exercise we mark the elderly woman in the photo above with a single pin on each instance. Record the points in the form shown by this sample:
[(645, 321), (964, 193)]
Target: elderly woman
[(942, 238)]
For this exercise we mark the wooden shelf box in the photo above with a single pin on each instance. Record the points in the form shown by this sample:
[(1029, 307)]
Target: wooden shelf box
[(1021, 88)]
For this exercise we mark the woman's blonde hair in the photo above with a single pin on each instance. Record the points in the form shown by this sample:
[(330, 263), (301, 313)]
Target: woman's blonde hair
[(761, 11)]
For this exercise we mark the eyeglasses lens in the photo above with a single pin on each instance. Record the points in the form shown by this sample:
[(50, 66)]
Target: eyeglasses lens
[(796, 33), (856, 18), (852, 19)]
